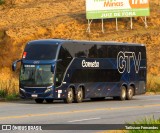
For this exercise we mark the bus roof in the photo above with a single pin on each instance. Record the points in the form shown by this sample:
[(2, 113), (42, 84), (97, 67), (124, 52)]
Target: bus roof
[(61, 41)]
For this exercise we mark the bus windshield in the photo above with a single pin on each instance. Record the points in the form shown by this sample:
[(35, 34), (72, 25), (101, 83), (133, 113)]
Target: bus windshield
[(36, 75)]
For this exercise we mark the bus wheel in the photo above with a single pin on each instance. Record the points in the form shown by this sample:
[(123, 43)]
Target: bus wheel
[(39, 100), (69, 98), (130, 93), (123, 93), (79, 96), (49, 100)]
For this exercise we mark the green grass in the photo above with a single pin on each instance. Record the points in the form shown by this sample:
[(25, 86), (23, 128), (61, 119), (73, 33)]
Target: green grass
[(5, 95), (8, 90), (146, 122), (11, 96)]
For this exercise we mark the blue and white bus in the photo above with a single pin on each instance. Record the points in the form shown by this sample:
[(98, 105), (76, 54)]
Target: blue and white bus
[(75, 70)]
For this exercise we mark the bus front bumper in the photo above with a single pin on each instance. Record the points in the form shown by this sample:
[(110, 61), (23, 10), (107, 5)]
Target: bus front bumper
[(35, 93)]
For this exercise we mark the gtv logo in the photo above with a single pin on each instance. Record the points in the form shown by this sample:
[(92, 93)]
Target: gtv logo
[(124, 59)]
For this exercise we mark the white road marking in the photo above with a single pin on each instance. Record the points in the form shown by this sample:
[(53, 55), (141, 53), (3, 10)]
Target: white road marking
[(98, 118)]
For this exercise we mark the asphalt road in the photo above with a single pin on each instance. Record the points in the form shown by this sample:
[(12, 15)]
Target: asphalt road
[(107, 111)]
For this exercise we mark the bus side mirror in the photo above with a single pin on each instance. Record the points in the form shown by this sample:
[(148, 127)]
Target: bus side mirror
[(14, 65), (52, 68)]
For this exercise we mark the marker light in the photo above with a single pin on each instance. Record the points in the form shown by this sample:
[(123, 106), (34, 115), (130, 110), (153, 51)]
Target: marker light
[(24, 54)]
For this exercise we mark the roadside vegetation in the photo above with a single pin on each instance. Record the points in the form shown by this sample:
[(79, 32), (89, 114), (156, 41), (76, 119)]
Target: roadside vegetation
[(2, 2), (8, 92), (146, 122), (153, 83), (8, 85)]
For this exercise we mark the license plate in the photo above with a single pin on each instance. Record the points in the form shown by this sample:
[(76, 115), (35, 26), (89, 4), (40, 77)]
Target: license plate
[(34, 95)]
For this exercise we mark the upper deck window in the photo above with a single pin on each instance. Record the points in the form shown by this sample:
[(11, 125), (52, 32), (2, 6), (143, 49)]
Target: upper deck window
[(40, 51)]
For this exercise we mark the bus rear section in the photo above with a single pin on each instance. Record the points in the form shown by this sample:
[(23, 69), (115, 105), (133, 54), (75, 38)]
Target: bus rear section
[(76, 70)]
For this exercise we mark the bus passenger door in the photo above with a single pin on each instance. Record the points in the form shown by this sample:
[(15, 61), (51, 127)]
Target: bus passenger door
[(59, 73), (64, 59)]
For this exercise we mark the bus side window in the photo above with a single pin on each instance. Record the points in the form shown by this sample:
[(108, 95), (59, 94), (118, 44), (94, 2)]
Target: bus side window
[(93, 52)]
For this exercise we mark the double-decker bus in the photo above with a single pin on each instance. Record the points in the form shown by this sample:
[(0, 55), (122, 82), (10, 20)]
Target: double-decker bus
[(76, 70)]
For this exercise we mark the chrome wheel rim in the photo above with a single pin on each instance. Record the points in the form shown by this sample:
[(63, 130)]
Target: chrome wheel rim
[(80, 95), (70, 95), (130, 92), (123, 93)]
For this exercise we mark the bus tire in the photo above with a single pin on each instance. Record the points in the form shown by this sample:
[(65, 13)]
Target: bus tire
[(70, 96), (123, 95), (130, 93), (49, 100), (39, 100), (79, 96)]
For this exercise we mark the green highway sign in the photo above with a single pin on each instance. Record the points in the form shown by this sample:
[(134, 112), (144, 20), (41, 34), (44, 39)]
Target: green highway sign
[(100, 9)]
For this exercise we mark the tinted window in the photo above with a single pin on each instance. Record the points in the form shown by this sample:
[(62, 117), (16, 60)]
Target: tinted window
[(40, 51), (102, 51), (77, 49), (95, 75), (80, 54), (64, 54), (64, 58), (142, 50), (138, 49), (93, 52), (114, 50), (142, 74), (82, 50)]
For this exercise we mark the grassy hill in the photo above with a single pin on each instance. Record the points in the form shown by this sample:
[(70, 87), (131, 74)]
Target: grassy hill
[(25, 20)]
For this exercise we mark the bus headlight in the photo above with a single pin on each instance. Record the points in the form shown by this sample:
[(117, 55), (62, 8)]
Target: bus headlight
[(48, 90)]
